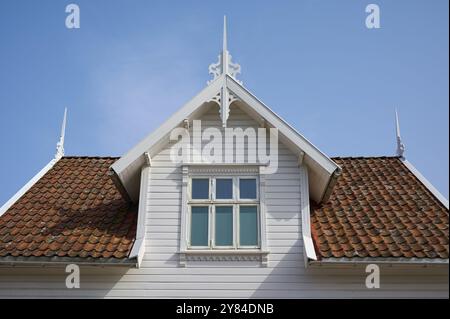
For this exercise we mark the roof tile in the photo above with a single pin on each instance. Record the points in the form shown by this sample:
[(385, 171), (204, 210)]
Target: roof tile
[(385, 211), (68, 212)]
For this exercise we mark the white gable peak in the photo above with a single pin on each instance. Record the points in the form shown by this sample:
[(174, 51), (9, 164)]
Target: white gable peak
[(224, 89)]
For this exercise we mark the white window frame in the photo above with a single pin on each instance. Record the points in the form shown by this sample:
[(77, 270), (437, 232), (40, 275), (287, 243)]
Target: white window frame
[(258, 222), (209, 226), (205, 200), (214, 172), (213, 226), (233, 191), (235, 202), (238, 186)]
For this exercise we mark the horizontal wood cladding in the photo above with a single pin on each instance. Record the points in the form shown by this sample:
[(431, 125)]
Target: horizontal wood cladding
[(285, 276)]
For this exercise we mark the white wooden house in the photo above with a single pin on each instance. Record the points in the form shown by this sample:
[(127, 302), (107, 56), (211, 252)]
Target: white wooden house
[(284, 222)]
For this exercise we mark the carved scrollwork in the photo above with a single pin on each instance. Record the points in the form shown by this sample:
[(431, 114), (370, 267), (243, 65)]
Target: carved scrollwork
[(215, 98), (224, 108), (223, 258), (215, 69), (234, 69)]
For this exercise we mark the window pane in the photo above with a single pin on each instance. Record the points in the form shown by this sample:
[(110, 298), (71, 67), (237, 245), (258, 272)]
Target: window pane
[(200, 188), (247, 188), (224, 226), (224, 188), (199, 226), (248, 226)]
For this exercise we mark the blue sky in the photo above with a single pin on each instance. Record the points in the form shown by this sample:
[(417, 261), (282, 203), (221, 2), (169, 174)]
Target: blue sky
[(133, 63)]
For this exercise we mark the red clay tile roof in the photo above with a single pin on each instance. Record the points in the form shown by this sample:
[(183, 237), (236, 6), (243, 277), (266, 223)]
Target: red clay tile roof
[(378, 208), (73, 211)]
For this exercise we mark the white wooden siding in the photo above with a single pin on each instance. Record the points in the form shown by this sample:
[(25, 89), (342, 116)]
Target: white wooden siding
[(161, 276)]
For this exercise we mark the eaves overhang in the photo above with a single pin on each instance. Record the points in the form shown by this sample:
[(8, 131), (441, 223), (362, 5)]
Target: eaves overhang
[(55, 261), (391, 261)]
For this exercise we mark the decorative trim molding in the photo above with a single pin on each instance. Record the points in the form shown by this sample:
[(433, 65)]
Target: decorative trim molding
[(217, 69), (223, 170), (215, 98), (223, 255), (231, 98), (224, 108), (223, 258)]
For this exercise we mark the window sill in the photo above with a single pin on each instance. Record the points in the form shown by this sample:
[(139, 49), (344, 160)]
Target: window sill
[(223, 255)]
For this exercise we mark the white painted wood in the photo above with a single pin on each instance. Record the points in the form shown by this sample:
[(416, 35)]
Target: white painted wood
[(138, 249), (310, 252), (322, 166), (161, 276), (325, 165), (263, 212)]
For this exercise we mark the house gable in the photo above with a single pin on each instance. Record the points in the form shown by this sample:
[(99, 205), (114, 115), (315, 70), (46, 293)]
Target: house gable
[(322, 169)]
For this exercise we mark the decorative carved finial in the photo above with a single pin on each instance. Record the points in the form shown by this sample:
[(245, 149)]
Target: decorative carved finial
[(60, 145), (224, 97), (224, 64), (400, 145)]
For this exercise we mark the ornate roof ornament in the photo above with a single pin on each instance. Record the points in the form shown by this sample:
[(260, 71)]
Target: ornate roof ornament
[(224, 64), (224, 67), (60, 145), (400, 145)]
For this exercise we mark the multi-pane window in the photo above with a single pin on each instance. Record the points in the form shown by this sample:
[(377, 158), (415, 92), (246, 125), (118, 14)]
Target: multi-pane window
[(223, 213)]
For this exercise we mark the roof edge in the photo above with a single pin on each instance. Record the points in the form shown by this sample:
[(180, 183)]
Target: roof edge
[(441, 198), (88, 261), (27, 186), (147, 142), (325, 161), (381, 260)]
